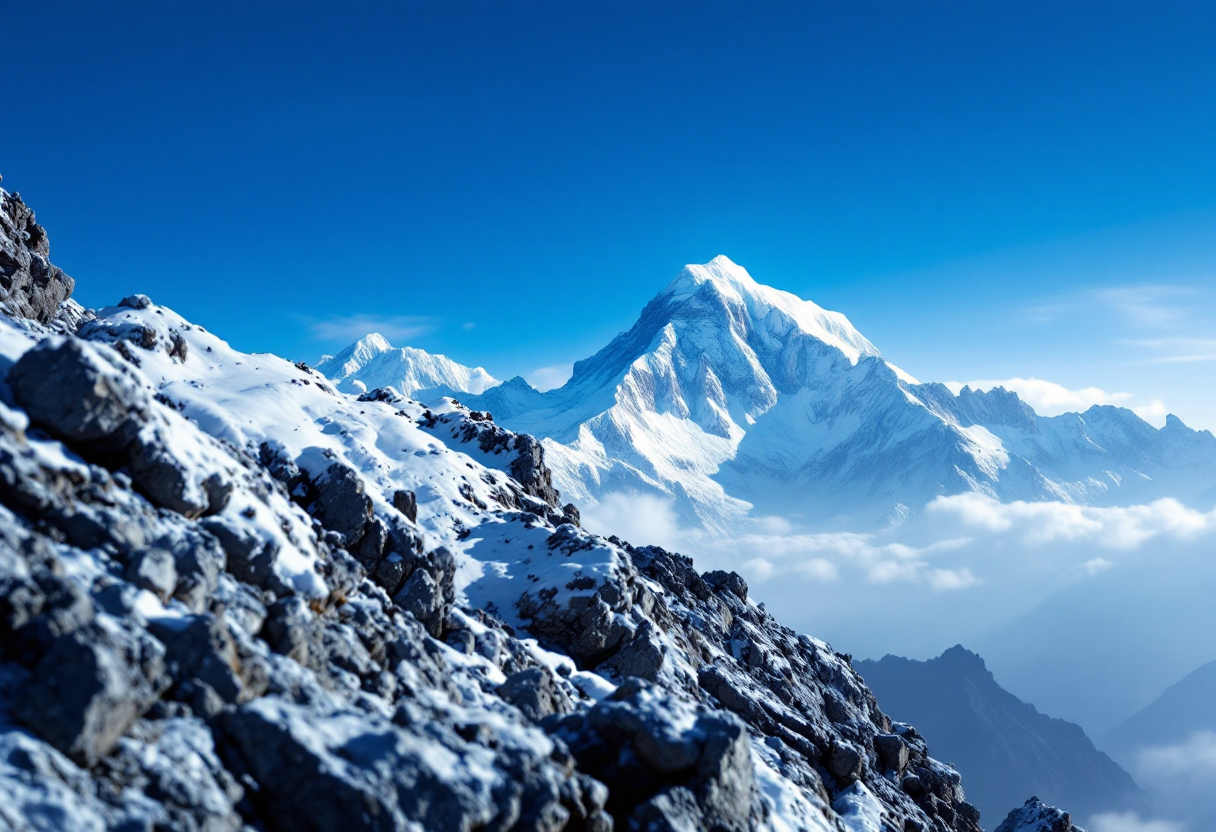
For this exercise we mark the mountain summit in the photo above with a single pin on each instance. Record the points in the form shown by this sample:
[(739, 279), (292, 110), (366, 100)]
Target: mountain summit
[(373, 362), (730, 397)]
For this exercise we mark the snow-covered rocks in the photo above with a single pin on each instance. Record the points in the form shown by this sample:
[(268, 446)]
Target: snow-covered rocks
[(1035, 816)]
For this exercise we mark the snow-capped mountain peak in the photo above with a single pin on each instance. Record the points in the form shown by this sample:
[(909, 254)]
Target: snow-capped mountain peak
[(769, 308), (373, 362), (731, 397)]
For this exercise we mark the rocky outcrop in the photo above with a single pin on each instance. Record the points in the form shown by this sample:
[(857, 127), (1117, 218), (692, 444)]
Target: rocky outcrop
[(1036, 816), (667, 763), (30, 285)]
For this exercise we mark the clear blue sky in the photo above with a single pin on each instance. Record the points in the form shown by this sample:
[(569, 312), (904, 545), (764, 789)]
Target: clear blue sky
[(988, 190)]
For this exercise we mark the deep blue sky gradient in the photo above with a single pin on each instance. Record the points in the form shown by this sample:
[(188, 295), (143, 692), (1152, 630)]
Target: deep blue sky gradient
[(967, 181)]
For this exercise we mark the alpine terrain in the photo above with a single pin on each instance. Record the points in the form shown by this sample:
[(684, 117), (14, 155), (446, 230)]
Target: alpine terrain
[(733, 398), (235, 598)]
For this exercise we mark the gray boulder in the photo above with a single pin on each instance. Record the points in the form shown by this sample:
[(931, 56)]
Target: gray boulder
[(422, 597), (672, 764), (200, 650), (89, 688), (76, 392), (341, 505), (535, 692), (354, 771), (155, 571), (248, 556)]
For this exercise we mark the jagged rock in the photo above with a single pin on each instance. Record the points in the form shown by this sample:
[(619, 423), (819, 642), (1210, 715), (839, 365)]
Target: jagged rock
[(535, 693), (289, 629), (136, 301), (664, 760), (845, 762), (892, 752), (406, 503), (89, 689), (350, 770), (1036, 816), (731, 582), (201, 650), (422, 597), (342, 505), (530, 471), (30, 285), (153, 570), (84, 395), (641, 656), (37, 610), (248, 556)]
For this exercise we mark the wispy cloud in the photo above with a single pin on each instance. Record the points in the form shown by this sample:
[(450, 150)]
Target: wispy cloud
[(345, 329), (547, 378), (1131, 822), (1143, 308), (1149, 307), (1178, 350)]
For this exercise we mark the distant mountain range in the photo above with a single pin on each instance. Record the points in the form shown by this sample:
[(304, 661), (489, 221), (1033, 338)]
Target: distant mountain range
[(731, 397), (1183, 709), (1008, 750)]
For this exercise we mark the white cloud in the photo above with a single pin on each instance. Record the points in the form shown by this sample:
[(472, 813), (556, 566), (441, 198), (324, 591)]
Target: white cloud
[(1096, 565), (1184, 775), (1131, 822), (1191, 762), (548, 378), (1037, 524), (641, 519), (347, 329)]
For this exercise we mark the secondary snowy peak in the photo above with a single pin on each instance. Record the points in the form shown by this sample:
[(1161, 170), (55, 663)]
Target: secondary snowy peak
[(373, 362)]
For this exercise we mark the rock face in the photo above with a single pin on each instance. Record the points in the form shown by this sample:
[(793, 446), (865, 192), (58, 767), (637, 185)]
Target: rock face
[(1007, 749), (233, 598), (1035, 816), (30, 286)]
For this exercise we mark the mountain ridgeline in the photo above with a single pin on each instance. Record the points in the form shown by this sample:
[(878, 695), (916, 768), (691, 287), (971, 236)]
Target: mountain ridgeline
[(1010, 749), (730, 397)]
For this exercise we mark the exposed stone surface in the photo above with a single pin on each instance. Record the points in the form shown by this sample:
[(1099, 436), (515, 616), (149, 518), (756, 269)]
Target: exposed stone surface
[(30, 285), (1035, 816)]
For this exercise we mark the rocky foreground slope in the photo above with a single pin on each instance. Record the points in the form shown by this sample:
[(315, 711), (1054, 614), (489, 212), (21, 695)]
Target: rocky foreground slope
[(233, 598)]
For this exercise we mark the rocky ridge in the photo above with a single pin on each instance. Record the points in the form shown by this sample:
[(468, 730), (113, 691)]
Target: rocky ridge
[(232, 598), (1007, 748)]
